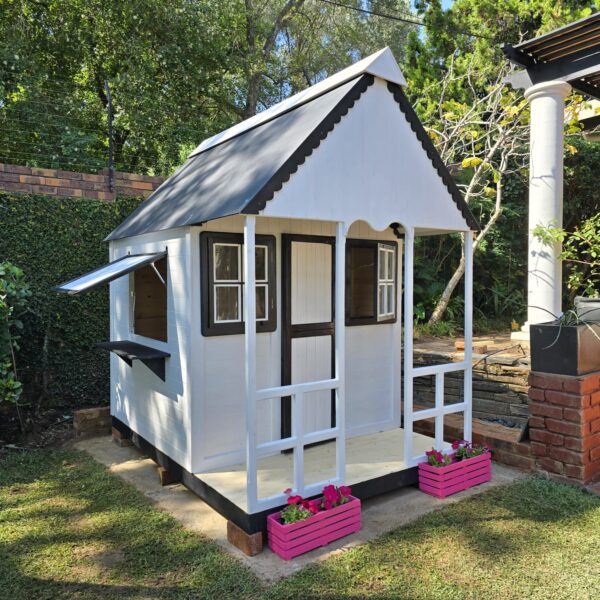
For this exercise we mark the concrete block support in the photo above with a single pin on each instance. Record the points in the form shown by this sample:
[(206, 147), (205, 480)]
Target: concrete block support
[(564, 426)]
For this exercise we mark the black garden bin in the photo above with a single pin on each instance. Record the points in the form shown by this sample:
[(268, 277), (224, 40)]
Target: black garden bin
[(567, 350)]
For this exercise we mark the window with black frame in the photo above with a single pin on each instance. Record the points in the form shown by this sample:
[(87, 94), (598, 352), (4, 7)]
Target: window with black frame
[(370, 282), (222, 267)]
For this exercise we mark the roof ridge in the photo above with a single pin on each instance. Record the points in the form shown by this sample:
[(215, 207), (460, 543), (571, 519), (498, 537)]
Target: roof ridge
[(432, 153), (309, 145)]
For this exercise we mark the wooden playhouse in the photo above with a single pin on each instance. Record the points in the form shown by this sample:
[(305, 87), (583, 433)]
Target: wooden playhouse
[(301, 219)]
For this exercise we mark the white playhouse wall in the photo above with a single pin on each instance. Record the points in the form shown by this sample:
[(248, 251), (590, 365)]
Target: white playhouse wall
[(157, 410), (373, 361), (370, 167)]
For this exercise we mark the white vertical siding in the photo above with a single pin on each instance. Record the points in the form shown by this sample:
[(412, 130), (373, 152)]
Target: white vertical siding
[(159, 411), (217, 366)]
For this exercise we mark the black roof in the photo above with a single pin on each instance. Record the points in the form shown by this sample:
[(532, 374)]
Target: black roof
[(241, 174), (571, 53)]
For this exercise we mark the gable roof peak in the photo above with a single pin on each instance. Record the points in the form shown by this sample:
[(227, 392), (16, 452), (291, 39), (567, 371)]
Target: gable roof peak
[(381, 64)]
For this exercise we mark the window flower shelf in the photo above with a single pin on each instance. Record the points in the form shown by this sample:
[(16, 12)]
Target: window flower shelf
[(454, 473), (322, 527)]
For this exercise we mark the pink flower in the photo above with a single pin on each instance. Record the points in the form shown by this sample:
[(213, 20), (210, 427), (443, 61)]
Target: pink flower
[(345, 490), (313, 506), (327, 504), (294, 499)]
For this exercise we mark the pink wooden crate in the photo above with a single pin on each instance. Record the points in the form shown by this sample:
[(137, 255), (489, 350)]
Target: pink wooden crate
[(288, 541), (444, 481)]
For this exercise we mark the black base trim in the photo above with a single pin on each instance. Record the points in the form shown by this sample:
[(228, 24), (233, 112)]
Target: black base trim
[(253, 523)]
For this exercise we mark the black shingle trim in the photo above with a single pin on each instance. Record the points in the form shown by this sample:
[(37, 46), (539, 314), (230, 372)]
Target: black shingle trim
[(432, 153), (307, 147)]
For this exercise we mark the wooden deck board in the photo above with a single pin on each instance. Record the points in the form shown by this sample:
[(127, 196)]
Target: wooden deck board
[(367, 457)]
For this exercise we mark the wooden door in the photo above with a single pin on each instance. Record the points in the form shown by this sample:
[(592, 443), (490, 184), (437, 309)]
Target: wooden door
[(308, 302)]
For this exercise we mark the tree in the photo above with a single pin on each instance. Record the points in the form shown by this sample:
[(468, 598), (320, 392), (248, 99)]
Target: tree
[(179, 71), (460, 67)]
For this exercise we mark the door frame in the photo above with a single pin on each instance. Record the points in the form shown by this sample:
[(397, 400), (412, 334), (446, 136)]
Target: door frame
[(289, 331)]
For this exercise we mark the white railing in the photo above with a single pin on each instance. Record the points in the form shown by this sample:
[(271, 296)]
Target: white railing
[(299, 438), (439, 411)]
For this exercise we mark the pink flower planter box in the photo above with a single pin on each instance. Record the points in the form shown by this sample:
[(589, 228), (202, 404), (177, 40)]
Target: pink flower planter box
[(289, 541), (455, 477)]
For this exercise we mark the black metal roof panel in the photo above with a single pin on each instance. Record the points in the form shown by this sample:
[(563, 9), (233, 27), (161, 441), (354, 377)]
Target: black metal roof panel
[(227, 179)]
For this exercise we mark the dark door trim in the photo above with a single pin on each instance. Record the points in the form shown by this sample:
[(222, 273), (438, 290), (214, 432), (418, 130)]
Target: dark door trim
[(289, 331)]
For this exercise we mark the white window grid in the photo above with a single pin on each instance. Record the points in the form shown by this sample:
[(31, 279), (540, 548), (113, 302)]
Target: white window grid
[(386, 282), (238, 282)]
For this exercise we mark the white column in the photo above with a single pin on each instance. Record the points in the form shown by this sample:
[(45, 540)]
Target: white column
[(544, 283), (250, 356), (468, 324), (340, 348), (409, 243)]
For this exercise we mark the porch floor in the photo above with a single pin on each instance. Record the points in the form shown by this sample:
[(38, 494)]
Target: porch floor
[(367, 457)]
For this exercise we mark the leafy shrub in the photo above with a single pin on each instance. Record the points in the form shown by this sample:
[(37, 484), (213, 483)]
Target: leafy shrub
[(54, 239), (14, 293)]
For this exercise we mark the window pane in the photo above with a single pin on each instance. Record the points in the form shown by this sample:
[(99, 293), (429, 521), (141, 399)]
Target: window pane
[(382, 300), (261, 263), (227, 264), (227, 303), (390, 298), (390, 265), (382, 264), (362, 282), (261, 303)]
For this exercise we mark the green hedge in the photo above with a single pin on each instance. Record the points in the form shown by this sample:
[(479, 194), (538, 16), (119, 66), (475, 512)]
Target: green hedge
[(53, 240)]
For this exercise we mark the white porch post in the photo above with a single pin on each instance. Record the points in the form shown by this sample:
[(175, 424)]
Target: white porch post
[(468, 324), (544, 280), (409, 242), (340, 348), (250, 354)]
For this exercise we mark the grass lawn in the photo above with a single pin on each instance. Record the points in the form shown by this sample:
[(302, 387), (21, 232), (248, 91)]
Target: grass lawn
[(70, 529)]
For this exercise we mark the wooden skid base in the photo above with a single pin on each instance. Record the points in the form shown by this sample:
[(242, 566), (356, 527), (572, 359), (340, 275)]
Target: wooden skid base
[(250, 544)]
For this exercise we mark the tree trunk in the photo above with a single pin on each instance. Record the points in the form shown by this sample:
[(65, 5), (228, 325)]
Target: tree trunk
[(442, 304)]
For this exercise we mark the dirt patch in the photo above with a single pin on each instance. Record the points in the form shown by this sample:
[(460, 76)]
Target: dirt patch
[(52, 427)]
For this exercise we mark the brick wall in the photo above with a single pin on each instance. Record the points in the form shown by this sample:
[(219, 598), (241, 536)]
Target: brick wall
[(564, 426), (499, 385), (34, 180)]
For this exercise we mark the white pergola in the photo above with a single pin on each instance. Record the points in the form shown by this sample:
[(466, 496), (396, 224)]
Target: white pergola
[(553, 65), (299, 438)]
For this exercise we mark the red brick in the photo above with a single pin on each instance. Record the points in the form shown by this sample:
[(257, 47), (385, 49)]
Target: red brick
[(538, 449), (536, 394), (566, 428), (587, 473), (582, 385), (595, 453), (43, 172), (573, 414), (545, 410), (96, 178), (546, 437), (69, 174), (537, 422), (14, 177), (595, 399), (9, 186), (592, 413), (545, 381), (595, 426), (565, 399), (568, 456), (17, 169), (548, 464), (526, 463), (30, 179), (583, 444), (43, 189), (55, 181), (68, 192)]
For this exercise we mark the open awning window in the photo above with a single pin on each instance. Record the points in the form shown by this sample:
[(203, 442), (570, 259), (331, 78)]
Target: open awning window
[(108, 273)]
